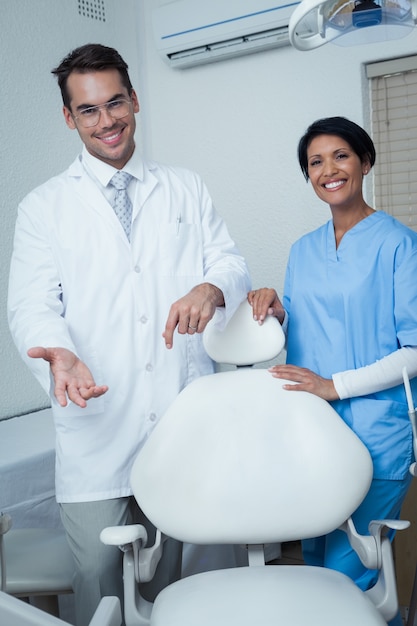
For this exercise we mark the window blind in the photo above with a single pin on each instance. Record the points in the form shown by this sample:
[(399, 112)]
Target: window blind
[(394, 131)]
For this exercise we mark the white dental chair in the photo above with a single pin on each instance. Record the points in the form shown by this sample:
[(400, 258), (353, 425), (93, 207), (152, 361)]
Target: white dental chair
[(14, 612), (238, 460), (35, 563)]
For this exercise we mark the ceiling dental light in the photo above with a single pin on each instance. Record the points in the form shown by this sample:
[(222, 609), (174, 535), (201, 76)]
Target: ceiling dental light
[(350, 22)]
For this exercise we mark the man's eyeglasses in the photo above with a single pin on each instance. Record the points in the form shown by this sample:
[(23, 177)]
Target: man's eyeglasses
[(91, 115)]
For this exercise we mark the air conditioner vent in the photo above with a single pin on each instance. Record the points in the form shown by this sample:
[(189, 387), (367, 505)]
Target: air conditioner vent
[(229, 48), (193, 32)]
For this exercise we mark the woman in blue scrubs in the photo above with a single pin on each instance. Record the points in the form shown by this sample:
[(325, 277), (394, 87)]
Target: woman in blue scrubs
[(350, 312)]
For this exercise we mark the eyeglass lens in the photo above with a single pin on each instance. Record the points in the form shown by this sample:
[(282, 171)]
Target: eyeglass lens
[(116, 109)]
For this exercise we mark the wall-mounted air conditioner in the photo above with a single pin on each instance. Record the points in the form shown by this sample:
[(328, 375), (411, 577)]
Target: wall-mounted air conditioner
[(192, 32)]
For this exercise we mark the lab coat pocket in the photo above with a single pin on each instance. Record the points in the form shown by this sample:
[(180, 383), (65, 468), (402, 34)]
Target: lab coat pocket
[(180, 249)]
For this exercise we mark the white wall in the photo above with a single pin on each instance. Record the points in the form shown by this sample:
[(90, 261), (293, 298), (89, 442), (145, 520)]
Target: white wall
[(236, 122), (35, 143)]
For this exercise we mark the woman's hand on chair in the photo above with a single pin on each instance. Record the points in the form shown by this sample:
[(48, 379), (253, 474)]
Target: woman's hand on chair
[(265, 302), (304, 379)]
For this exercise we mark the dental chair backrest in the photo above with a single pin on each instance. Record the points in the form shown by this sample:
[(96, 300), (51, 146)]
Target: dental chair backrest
[(237, 459), (244, 342)]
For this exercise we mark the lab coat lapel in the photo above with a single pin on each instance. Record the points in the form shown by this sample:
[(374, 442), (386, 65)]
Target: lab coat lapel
[(90, 195), (144, 188)]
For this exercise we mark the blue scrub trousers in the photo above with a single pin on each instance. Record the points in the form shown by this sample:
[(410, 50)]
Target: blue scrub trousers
[(383, 501)]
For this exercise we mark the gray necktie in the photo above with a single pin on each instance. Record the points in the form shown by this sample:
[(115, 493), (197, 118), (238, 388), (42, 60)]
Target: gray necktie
[(121, 204)]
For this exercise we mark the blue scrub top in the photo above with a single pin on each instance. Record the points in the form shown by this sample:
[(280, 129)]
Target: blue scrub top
[(349, 307)]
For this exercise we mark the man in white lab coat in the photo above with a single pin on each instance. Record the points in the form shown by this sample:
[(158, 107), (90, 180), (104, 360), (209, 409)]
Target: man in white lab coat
[(93, 313)]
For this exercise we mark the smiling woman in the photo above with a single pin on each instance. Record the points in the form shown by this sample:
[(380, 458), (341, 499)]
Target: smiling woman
[(350, 302), (336, 173)]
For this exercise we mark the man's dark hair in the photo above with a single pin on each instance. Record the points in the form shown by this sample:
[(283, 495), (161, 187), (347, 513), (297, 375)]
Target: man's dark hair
[(354, 135), (92, 57)]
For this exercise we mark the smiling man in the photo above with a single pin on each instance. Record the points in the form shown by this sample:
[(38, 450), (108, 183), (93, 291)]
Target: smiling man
[(95, 299), (106, 129)]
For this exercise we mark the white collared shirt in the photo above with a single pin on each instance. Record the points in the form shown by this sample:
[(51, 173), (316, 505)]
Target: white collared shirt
[(101, 173)]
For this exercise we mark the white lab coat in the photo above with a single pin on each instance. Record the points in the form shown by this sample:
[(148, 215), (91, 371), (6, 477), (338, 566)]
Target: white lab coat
[(77, 283)]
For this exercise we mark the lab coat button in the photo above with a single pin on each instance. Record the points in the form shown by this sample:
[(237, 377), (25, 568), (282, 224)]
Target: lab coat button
[(149, 367), (137, 269), (143, 319), (152, 417)]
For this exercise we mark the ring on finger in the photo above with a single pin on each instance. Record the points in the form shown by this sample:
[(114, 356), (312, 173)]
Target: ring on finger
[(192, 327)]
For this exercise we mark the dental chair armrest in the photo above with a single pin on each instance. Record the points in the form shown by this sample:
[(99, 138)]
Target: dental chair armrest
[(134, 538), (377, 529), (365, 546), (369, 547), (150, 557), (384, 593), (124, 535)]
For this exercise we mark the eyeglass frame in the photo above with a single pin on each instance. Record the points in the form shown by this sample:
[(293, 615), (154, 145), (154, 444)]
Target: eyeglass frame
[(98, 108)]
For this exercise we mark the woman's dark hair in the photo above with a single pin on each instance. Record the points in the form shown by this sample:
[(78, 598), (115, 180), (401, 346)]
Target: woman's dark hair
[(92, 57), (354, 135)]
